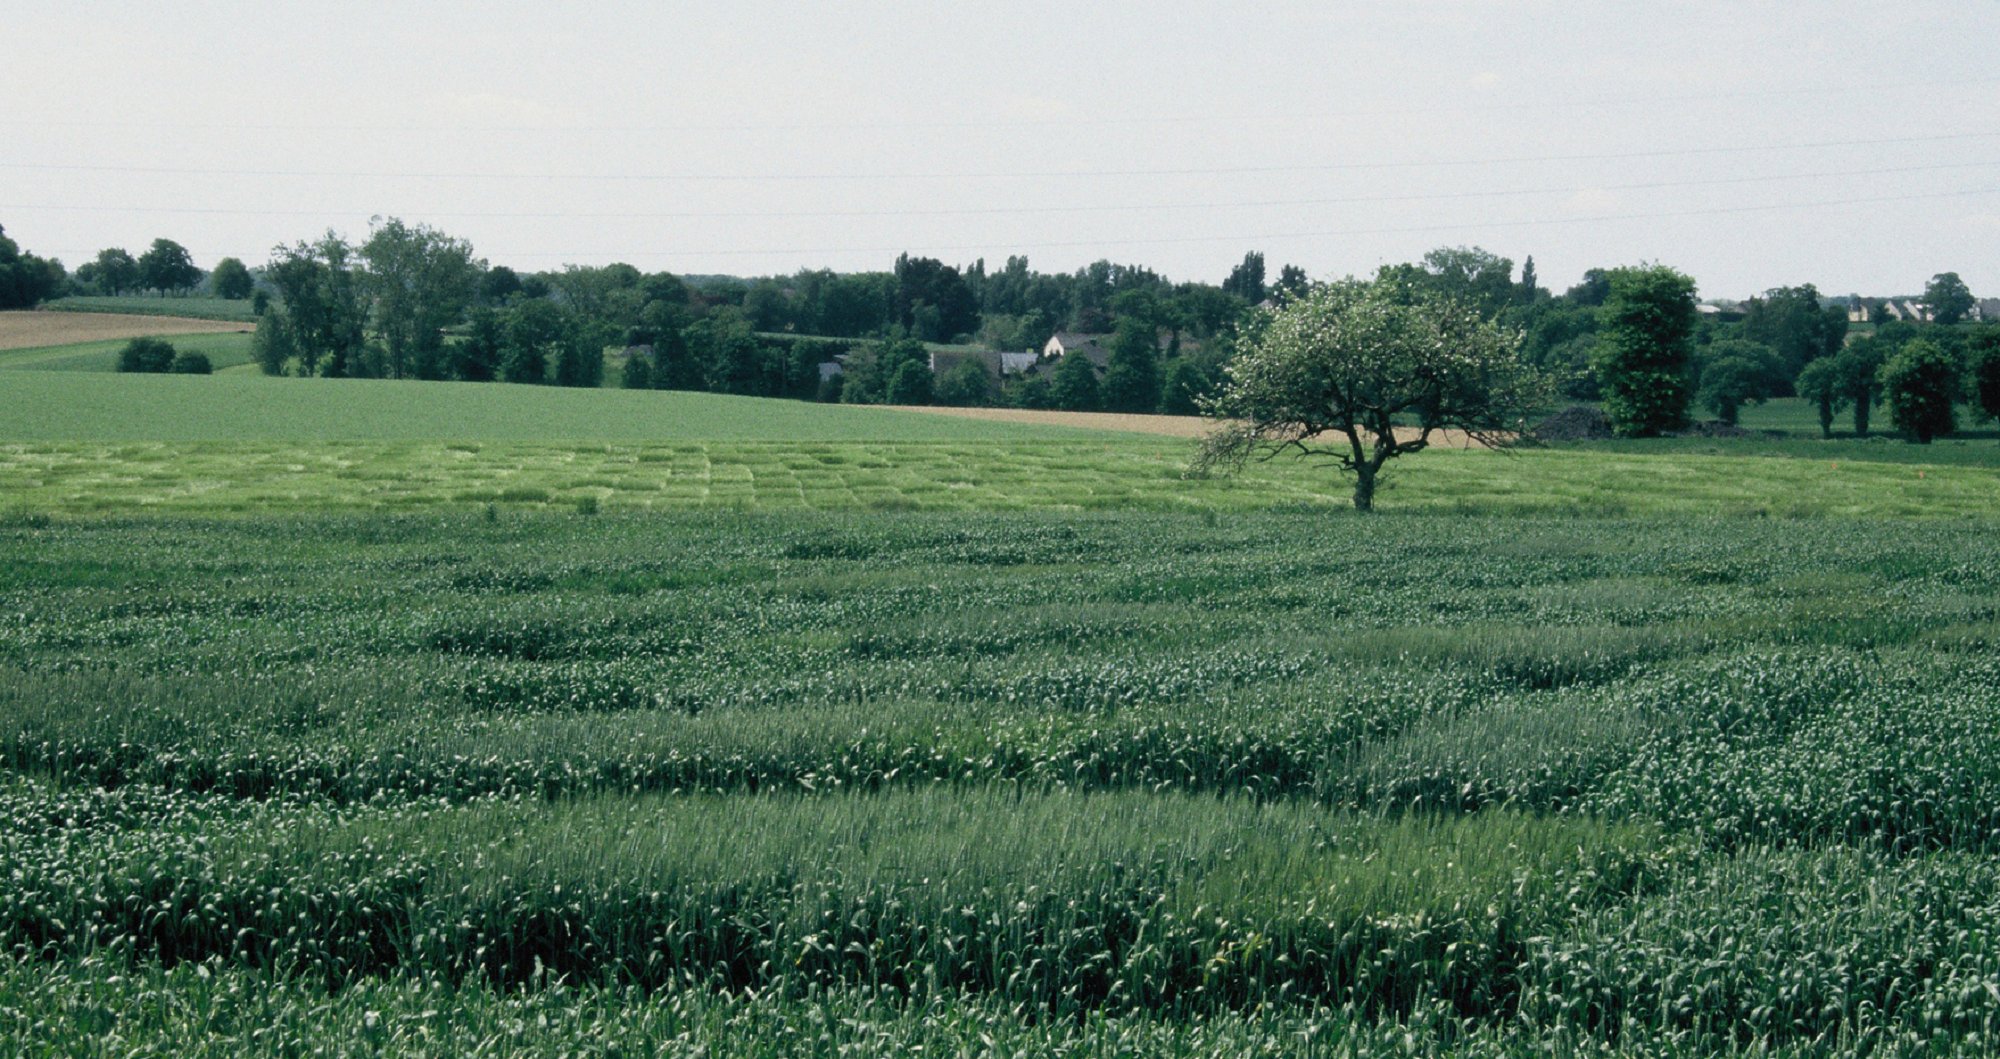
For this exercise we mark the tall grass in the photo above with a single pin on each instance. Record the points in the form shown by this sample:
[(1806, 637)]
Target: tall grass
[(1567, 667), (1061, 901), (1413, 783)]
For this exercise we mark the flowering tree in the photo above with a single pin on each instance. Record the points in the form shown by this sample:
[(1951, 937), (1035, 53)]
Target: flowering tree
[(1360, 373)]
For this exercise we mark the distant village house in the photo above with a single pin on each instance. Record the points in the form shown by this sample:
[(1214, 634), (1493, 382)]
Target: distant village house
[(1063, 343)]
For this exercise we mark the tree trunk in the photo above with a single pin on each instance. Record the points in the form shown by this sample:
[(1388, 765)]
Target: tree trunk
[(1364, 487), (1825, 419), (1861, 410)]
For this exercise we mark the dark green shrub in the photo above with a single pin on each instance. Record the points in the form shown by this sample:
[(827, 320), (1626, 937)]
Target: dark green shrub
[(911, 384), (190, 362), (146, 355)]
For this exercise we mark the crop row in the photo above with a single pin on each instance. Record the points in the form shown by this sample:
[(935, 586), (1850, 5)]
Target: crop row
[(212, 1011), (1820, 746), (1061, 901), (1056, 903)]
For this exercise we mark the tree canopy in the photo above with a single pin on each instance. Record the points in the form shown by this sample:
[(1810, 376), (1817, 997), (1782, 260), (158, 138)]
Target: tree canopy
[(422, 280), (1132, 377), (1246, 280), (113, 272), (24, 278), (1792, 322), (1736, 372), (1983, 372), (1921, 384), (1645, 341), (933, 301), (1377, 370), (1823, 383), (167, 266), (231, 279), (1075, 387), (323, 303), (1948, 298), (1477, 277)]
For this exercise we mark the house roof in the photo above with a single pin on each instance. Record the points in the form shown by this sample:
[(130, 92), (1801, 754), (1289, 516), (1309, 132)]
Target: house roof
[(942, 362), (1072, 339)]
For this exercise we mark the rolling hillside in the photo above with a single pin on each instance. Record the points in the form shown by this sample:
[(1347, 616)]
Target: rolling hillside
[(78, 406)]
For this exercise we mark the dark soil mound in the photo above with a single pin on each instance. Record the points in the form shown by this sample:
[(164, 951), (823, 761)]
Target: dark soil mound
[(1575, 423)]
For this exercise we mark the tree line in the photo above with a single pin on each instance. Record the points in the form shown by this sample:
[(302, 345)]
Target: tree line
[(25, 280), (1359, 372), (413, 302), (1638, 340), (1655, 357)]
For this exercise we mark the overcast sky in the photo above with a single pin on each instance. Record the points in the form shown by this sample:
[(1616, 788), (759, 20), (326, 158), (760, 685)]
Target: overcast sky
[(1851, 145)]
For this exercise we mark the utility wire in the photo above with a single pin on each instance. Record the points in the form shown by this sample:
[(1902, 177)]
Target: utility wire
[(1269, 237), (1052, 122), (1017, 210), (1022, 175)]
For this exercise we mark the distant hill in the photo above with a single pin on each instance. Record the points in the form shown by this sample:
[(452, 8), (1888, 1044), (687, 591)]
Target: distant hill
[(84, 406)]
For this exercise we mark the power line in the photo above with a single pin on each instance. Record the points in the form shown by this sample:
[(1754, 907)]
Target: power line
[(1276, 237), (1017, 210), (1268, 237), (1051, 122), (1024, 175)]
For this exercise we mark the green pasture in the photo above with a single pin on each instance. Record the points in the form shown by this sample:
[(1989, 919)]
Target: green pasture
[(1799, 417), (85, 441), (224, 351), (1962, 450), (146, 305), (979, 472), (241, 407)]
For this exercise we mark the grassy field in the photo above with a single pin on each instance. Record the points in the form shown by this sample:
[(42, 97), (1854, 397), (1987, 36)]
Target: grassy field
[(237, 407), (1109, 783), (224, 351), (978, 472), (78, 443), (145, 305), (524, 721)]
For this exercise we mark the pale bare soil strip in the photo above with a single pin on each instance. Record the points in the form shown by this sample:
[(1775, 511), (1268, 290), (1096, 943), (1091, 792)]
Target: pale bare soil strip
[(31, 328), (1170, 426)]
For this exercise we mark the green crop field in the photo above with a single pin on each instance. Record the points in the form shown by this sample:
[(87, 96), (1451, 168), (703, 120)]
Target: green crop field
[(224, 351), (507, 720), (982, 471), (239, 407), (91, 444), (146, 305), (1000, 783)]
